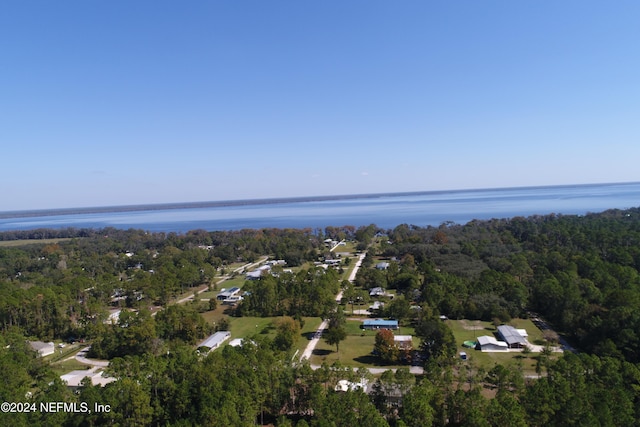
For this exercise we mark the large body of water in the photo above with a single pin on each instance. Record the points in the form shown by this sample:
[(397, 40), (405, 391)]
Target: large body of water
[(386, 211)]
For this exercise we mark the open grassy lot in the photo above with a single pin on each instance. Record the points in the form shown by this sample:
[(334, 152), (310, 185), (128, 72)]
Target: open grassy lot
[(347, 246), (25, 242), (356, 349), (64, 367), (243, 327), (237, 281), (469, 330)]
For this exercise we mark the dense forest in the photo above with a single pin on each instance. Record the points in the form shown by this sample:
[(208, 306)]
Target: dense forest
[(580, 273)]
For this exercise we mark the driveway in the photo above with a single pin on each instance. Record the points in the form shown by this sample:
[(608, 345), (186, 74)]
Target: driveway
[(308, 351)]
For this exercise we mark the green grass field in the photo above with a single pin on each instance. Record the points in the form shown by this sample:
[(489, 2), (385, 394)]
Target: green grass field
[(356, 349), (245, 327), (61, 368), (469, 330)]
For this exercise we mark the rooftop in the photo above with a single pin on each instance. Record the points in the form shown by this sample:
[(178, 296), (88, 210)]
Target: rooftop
[(511, 335)]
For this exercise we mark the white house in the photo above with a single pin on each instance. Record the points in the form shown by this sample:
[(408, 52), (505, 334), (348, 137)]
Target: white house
[(215, 340), (346, 385), (376, 292), (74, 378), (404, 342), (488, 343), (43, 348)]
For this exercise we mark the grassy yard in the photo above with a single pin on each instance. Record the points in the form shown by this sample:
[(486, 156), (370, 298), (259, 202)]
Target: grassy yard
[(237, 281), (356, 349), (347, 247), (469, 330), (64, 367), (243, 327)]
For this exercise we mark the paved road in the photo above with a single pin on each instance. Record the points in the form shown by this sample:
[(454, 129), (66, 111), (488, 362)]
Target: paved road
[(80, 357)]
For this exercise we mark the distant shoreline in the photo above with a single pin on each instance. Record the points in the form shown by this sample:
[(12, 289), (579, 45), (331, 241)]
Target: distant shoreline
[(269, 201)]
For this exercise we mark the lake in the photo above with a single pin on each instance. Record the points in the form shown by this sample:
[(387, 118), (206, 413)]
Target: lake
[(384, 210)]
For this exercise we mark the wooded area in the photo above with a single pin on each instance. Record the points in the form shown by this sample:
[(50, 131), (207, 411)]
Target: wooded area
[(580, 273)]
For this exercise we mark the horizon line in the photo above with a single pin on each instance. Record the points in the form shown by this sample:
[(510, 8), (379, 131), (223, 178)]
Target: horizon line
[(265, 201)]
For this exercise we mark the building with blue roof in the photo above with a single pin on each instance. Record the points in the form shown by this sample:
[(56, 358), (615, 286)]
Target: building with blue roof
[(373, 324)]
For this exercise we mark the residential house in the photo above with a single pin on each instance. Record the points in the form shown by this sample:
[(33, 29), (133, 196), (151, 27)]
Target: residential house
[(43, 348), (488, 343), (373, 324), (512, 336)]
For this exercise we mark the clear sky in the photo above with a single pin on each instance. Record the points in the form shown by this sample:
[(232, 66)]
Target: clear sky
[(132, 102)]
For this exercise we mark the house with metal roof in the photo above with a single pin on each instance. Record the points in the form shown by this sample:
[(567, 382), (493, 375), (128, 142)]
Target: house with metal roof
[(227, 293), (74, 379), (382, 265), (511, 336), (372, 324), (376, 292), (488, 343), (215, 340), (43, 348)]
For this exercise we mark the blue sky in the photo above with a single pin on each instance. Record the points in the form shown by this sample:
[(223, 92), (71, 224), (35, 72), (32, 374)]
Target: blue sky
[(132, 102)]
